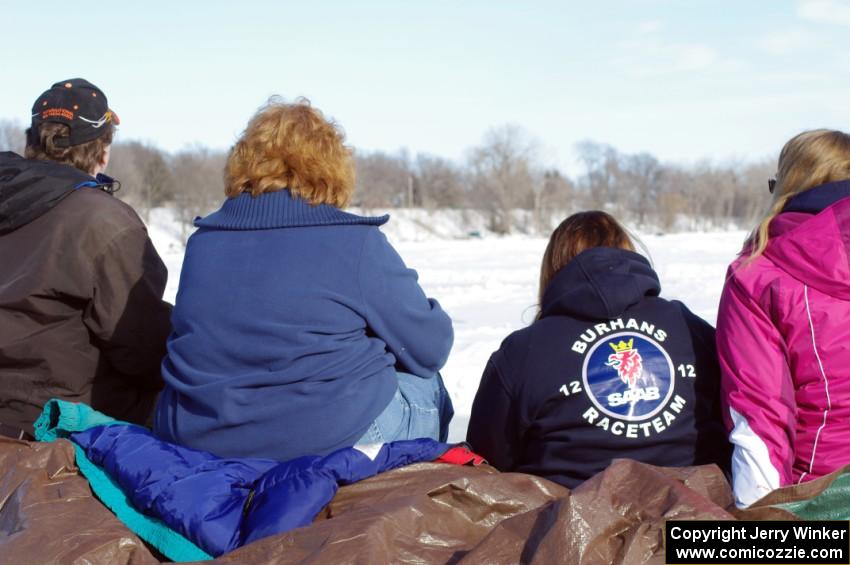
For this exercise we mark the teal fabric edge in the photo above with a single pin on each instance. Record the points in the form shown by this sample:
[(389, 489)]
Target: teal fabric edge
[(832, 504), (59, 420)]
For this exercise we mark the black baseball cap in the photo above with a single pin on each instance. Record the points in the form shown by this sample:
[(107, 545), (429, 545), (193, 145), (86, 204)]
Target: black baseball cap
[(78, 104)]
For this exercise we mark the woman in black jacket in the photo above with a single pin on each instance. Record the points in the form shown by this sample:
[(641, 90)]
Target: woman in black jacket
[(607, 370)]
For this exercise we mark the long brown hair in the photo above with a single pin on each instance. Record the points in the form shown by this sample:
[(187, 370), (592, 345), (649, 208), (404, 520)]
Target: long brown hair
[(809, 159), (88, 156), (580, 232)]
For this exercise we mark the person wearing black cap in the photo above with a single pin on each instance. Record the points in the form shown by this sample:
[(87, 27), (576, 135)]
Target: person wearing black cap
[(81, 310)]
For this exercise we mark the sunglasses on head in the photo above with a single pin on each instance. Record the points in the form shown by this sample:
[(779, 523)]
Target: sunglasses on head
[(771, 184)]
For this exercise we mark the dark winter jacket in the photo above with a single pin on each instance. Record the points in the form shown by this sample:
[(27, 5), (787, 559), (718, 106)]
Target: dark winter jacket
[(81, 310), (289, 325), (610, 370)]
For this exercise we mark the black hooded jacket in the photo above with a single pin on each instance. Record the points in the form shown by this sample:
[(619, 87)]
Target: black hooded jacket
[(609, 370), (29, 188), (81, 310)]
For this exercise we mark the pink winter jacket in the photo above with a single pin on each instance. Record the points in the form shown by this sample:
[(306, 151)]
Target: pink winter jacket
[(783, 337)]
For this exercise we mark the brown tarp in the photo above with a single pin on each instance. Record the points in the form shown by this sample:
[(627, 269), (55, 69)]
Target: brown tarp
[(425, 513), (49, 514)]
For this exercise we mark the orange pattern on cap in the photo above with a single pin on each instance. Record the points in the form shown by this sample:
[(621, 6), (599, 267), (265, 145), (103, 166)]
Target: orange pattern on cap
[(57, 112)]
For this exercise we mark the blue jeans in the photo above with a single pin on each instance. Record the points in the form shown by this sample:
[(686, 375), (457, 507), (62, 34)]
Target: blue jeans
[(420, 408)]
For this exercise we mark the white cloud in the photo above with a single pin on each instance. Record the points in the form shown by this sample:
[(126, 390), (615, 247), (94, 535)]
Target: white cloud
[(825, 11), (649, 27), (693, 57), (674, 58), (788, 41), (648, 52)]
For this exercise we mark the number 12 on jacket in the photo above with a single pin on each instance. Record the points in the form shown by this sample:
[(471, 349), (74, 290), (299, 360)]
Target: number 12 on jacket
[(574, 387), (687, 371)]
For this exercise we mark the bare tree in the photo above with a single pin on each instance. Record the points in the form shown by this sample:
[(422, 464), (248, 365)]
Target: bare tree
[(640, 176), (145, 175), (554, 193), (502, 177), (673, 203), (439, 183), (601, 166), (382, 180), (502, 172), (11, 136), (711, 190), (198, 184), (752, 198)]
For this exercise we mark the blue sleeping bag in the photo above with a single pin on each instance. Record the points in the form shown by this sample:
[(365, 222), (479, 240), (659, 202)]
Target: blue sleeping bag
[(217, 504), (221, 504)]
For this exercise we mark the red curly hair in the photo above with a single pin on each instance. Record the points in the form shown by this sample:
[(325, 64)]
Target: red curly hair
[(291, 146)]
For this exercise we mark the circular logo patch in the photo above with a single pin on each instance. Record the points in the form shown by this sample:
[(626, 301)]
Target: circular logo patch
[(628, 376)]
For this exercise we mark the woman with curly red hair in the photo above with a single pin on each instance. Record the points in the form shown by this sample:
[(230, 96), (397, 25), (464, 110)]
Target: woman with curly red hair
[(298, 329)]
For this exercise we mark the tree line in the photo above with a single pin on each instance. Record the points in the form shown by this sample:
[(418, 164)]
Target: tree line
[(503, 177)]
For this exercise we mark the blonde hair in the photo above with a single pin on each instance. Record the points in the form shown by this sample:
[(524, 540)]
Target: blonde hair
[(809, 159), (291, 146)]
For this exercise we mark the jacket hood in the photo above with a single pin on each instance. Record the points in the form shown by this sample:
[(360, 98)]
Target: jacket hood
[(810, 239), (29, 188), (599, 284), (819, 198)]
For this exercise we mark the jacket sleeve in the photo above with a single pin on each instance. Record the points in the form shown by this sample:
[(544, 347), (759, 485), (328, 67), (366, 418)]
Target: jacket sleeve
[(494, 423), (126, 313), (712, 440), (416, 330), (757, 395)]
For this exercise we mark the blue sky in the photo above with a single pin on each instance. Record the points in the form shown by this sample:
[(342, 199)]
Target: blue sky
[(685, 80)]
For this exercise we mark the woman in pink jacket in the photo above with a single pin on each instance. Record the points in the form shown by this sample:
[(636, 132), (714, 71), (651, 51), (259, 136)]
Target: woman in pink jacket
[(783, 330)]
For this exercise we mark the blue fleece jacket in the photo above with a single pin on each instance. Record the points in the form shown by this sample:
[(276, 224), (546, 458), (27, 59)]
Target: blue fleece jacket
[(290, 323)]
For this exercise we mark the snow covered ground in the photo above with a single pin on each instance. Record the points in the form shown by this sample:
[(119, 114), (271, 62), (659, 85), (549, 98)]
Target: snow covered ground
[(488, 285)]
